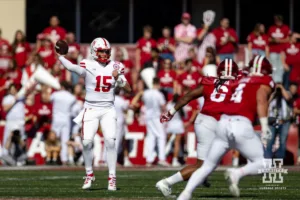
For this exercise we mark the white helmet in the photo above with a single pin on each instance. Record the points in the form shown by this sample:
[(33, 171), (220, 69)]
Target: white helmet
[(209, 70), (100, 44)]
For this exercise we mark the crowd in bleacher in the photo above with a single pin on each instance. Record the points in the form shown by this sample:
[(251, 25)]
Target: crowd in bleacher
[(178, 59)]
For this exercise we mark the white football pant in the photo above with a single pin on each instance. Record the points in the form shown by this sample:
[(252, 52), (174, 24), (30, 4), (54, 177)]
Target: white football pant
[(205, 129), (233, 132), (155, 135), (92, 117)]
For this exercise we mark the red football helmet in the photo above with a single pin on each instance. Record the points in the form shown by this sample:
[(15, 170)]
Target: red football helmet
[(228, 69), (260, 66)]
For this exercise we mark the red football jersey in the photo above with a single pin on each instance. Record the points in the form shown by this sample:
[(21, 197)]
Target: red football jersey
[(215, 100), (167, 78), (281, 32), (258, 42), (145, 46), (189, 80), (243, 100)]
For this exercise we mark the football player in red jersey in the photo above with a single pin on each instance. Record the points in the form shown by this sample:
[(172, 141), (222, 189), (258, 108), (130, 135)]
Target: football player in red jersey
[(235, 128), (216, 91)]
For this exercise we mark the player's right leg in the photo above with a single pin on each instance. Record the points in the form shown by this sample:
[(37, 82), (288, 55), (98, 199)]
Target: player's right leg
[(205, 128), (250, 146), (88, 130), (218, 148)]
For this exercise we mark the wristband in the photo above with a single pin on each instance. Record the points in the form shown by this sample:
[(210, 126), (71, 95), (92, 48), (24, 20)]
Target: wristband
[(172, 111)]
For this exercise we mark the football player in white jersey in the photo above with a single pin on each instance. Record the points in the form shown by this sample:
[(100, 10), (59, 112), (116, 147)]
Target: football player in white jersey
[(102, 76)]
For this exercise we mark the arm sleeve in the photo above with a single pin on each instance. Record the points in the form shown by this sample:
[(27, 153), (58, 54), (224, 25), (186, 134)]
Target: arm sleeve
[(71, 67)]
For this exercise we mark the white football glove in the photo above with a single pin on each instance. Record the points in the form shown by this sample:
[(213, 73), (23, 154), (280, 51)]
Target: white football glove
[(208, 17), (266, 133)]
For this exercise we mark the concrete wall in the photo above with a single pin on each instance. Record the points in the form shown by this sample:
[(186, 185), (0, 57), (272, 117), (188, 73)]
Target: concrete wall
[(12, 17)]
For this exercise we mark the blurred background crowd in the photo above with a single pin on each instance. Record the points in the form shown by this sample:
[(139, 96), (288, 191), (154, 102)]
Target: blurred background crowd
[(178, 57)]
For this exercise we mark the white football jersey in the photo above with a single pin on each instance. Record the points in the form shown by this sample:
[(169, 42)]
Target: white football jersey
[(99, 82)]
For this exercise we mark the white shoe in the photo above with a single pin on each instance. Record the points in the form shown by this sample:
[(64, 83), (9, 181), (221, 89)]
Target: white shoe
[(175, 163), (163, 163), (127, 163), (164, 187), (112, 183), (184, 196), (233, 182), (88, 181)]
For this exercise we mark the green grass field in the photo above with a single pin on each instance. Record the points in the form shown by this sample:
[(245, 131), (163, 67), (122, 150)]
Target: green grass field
[(131, 185)]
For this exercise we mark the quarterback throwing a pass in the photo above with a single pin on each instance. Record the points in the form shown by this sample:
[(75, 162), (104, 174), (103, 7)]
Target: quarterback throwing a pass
[(101, 77)]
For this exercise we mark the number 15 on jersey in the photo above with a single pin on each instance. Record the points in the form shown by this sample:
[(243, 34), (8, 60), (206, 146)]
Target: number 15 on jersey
[(103, 80)]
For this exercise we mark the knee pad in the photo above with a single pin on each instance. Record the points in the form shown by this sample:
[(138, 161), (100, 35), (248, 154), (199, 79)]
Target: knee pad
[(87, 144), (110, 143)]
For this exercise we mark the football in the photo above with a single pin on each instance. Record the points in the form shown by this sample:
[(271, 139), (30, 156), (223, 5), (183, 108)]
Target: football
[(61, 47)]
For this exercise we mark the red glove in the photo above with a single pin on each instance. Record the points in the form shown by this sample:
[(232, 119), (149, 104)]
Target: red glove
[(165, 117)]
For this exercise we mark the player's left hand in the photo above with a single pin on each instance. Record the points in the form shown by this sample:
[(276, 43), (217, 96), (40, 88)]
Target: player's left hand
[(115, 74)]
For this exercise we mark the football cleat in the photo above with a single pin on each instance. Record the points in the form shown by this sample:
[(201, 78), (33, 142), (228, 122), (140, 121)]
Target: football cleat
[(112, 183), (233, 183), (164, 187), (88, 181)]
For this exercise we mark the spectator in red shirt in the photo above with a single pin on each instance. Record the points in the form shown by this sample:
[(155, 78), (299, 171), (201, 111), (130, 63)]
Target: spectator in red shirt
[(4, 45), (188, 80), (144, 46), (166, 44), (290, 57), (20, 49), (278, 36), (258, 42), (46, 51), (44, 109), (5, 59), (73, 54), (30, 116), (34, 61), (226, 40), (196, 65), (14, 74), (210, 63), (60, 73), (167, 77), (155, 61), (54, 31)]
